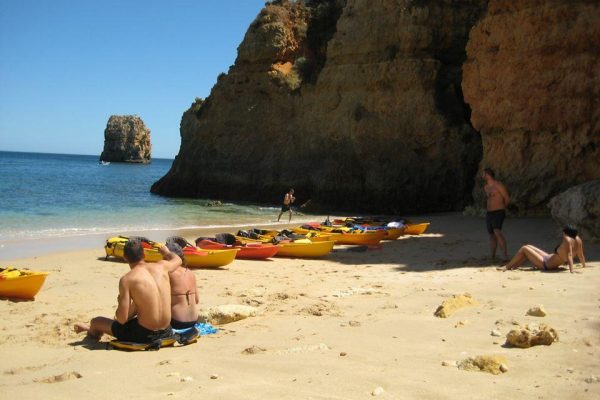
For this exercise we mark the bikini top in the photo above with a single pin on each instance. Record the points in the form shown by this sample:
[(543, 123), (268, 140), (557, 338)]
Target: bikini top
[(186, 294)]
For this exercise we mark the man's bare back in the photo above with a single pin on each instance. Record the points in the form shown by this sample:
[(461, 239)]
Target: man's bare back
[(146, 288)]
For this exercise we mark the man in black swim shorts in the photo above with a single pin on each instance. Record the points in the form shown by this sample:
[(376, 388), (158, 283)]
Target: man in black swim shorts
[(288, 199), (132, 331), (497, 201)]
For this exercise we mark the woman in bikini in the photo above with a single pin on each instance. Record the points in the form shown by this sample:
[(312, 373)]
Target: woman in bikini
[(571, 246), (184, 296)]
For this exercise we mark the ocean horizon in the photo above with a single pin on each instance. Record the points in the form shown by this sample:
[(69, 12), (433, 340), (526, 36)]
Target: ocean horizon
[(47, 195)]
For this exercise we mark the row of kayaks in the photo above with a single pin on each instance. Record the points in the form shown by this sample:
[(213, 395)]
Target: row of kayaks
[(308, 241), (313, 240)]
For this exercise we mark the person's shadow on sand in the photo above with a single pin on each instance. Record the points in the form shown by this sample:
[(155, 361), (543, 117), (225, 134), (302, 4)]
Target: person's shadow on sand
[(90, 343)]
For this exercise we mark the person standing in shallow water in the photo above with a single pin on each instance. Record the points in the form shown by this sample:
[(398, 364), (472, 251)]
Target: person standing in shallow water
[(497, 201), (288, 199)]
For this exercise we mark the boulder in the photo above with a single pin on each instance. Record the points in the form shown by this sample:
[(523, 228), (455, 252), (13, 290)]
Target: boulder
[(532, 335), (450, 306), (225, 314), (579, 206), (126, 139), (531, 79)]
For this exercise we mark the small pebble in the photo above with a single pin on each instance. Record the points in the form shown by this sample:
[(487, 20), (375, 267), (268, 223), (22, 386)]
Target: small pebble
[(377, 391), (186, 379), (503, 368), (170, 393), (570, 370), (214, 376), (449, 363), (354, 323), (496, 332), (343, 354)]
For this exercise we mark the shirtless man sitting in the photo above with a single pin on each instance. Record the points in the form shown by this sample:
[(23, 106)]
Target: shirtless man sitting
[(571, 246), (184, 293), (144, 302), (497, 201)]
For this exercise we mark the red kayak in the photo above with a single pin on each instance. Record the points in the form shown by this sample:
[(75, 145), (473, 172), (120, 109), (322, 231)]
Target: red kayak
[(254, 251)]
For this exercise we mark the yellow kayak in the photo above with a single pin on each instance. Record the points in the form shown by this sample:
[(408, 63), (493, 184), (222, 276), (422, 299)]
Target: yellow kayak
[(194, 257), (21, 283), (302, 249), (416, 229)]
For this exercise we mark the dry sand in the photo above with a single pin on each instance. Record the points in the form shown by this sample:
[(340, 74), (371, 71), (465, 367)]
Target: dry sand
[(336, 328)]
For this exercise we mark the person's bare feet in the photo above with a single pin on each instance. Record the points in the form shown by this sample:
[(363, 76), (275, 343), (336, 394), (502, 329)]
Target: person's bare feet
[(79, 327), (503, 269)]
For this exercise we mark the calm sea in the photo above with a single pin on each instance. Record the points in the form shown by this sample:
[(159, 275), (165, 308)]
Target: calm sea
[(56, 195)]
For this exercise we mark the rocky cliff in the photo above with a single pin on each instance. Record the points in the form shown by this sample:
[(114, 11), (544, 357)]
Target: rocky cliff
[(356, 104), (532, 80), (126, 139)]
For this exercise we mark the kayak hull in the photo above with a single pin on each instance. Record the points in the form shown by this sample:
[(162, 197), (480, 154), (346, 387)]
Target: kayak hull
[(251, 251), (305, 250), (416, 229), (24, 286)]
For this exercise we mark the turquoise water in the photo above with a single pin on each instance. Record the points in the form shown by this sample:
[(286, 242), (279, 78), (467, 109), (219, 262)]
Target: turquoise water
[(55, 195)]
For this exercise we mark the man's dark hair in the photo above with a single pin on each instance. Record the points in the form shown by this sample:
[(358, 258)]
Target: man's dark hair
[(490, 172), (570, 231), (133, 251), (176, 248)]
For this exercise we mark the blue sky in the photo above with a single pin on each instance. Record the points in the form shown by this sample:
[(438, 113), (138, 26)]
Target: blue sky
[(66, 66)]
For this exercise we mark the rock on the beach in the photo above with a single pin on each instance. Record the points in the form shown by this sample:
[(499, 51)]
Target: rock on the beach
[(490, 364), (537, 311), (532, 336), (254, 350), (449, 363), (496, 332), (450, 306), (377, 391), (126, 139), (225, 314), (579, 206)]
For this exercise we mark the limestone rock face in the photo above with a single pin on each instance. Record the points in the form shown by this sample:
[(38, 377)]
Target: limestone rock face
[(357, 104), (579, 206), (126, 139), (532, 80)]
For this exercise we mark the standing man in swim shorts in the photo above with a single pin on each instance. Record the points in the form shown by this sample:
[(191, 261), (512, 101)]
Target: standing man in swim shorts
[(288, 199), (497, 201), (144, 303)]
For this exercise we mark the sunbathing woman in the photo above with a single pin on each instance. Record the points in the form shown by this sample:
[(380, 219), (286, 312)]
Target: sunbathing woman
[(571, 245)]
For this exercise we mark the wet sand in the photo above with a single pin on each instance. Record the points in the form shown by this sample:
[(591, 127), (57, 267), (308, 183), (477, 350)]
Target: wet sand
[(334, 328)]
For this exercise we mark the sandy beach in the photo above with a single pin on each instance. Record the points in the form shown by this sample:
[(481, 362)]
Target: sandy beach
[(333, 328)]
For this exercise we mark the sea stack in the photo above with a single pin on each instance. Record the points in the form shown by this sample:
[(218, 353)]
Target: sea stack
[(126, 139)]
